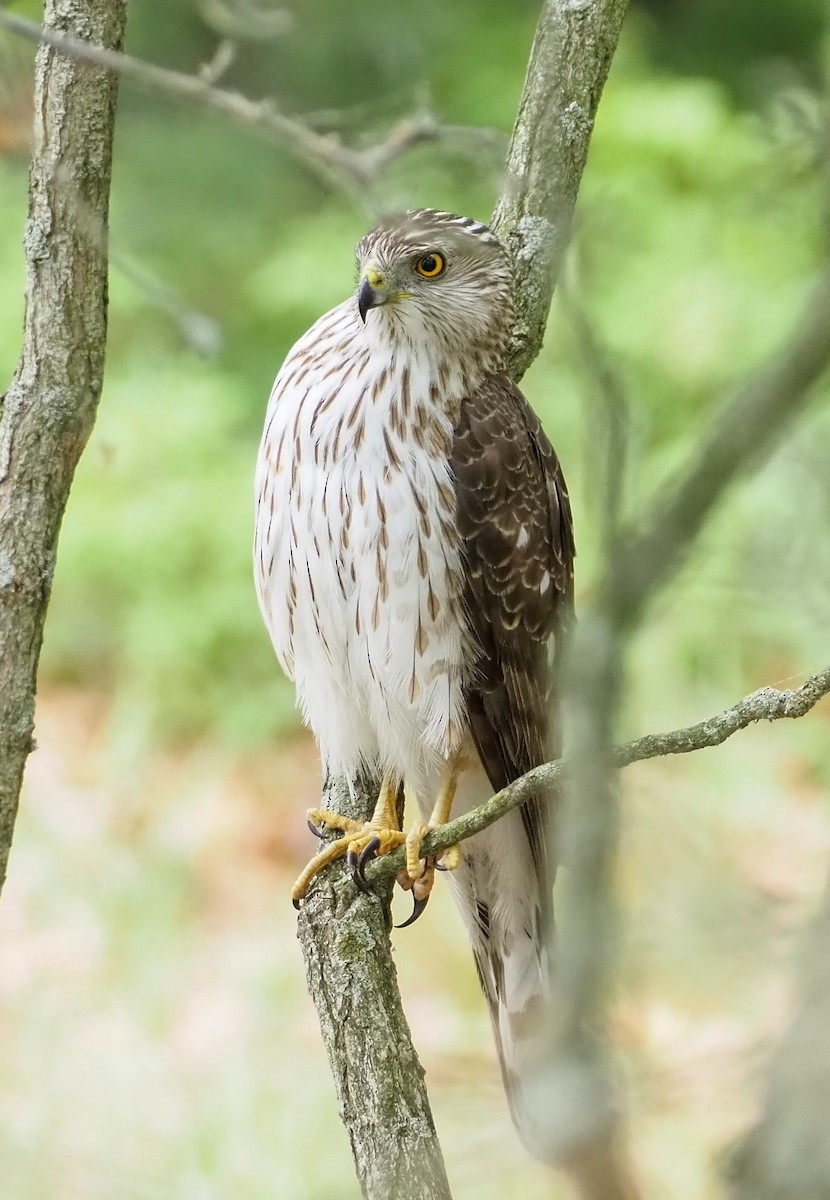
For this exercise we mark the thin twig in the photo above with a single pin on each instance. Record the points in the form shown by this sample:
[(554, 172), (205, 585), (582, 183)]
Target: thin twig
[(766, 704), (354, 171)]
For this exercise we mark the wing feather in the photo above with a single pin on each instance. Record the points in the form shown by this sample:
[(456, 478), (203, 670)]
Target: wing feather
[(514, 518)]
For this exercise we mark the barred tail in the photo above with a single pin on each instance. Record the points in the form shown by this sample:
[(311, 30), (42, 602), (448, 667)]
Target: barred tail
[(498, 892)]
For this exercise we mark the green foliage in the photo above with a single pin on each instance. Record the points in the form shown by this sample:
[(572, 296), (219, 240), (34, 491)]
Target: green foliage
[(695, 247), (164, 1045)]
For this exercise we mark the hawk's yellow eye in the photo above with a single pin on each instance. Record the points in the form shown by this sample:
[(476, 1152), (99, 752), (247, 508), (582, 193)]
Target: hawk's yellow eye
[(429, 265)]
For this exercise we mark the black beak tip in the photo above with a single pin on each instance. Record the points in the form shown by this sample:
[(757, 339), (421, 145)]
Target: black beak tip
[(366, 299)]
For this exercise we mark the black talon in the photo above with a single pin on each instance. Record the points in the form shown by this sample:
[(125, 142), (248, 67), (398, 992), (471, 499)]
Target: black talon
[(366, 855), (417, 909), (439, 866), (296, 903), (318, 833), (352, 866)]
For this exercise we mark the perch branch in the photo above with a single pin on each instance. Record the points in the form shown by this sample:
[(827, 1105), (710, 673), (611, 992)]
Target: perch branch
[(766, 704), (379, 1080)]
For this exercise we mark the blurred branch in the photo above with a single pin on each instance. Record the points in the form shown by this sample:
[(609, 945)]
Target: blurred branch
[(788, 1152), (569, 63), (354, 171), (737, 439), (246, 19), (49, 409), (199, 332), (223, 59), (636, 567), (609, 429), (766, 704)]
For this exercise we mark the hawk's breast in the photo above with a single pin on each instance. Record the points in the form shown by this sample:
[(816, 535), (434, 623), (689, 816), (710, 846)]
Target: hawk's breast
[(358, 561)]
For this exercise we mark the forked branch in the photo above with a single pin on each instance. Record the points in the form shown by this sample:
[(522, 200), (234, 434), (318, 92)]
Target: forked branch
[(353, 170)]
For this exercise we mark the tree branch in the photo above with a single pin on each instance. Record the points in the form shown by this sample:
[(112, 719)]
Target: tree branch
[(353, 171), (788, 1151), (48, 412), (766, 704), (379, 1080), (569, 63), (739, 437)]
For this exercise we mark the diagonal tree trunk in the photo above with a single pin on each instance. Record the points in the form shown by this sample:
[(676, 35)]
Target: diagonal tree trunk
[(48, 411)]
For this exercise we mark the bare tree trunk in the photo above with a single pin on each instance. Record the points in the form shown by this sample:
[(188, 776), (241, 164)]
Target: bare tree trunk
[(49, 409), (351, 975), (569, 63), (379, 1080)]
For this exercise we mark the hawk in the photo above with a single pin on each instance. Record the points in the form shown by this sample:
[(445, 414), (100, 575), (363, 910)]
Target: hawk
[(414, 567)]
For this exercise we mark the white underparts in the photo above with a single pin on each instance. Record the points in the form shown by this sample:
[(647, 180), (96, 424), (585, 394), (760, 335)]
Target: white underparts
[(357, 558)]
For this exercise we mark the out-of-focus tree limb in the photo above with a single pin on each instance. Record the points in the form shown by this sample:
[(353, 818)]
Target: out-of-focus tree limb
[(766, 704), (787, 1154), (352, 170), (736, 440), (635, 568), (569, 63), (49, 409)]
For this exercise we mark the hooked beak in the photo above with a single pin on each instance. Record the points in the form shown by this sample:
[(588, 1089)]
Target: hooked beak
[(371, 292)]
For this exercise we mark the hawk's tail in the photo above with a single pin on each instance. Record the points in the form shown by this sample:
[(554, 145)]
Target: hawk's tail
[(515, 990), (498, 892)]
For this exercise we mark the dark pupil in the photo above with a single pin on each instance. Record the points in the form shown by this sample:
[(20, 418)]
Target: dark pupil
[(428, 264)]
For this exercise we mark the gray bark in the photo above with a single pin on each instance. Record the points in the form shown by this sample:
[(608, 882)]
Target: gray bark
[(383, 1100), (379, 1080), (49, 409), (569, 63)]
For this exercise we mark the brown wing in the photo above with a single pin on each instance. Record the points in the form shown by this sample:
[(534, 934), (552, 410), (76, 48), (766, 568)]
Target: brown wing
[(514, 518)]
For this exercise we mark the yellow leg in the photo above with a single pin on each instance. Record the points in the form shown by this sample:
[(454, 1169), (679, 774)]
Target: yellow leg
[(440, 815), (382, 833), (385, 815)]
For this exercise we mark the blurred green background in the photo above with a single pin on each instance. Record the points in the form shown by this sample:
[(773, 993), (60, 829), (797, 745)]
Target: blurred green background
[(156, 1038)]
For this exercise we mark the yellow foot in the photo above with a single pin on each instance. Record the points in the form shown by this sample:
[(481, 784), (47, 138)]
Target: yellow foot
[(447, 860), (360, 842), (418, 876)]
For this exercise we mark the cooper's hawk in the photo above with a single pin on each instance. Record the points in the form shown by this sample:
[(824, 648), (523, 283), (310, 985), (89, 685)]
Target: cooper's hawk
[(414, 561)]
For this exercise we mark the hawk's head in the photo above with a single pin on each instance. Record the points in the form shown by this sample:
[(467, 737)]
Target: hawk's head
[(436, 280)]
